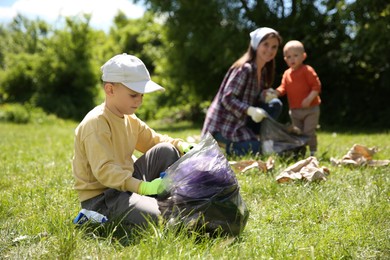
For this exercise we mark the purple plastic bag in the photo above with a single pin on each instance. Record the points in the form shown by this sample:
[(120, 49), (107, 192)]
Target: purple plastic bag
[(202, 188)]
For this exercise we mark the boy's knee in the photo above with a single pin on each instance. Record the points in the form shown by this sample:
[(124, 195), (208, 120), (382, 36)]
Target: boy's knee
[(168, 150)]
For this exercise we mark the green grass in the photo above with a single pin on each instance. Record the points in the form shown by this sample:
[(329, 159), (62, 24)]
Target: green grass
[(346, 217)]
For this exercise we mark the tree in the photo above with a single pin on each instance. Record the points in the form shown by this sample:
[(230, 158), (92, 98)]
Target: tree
[(345, 42), (188, 47), (360, 64), (21, 44), (52, 69), (202, 40), (206, 38), (370, 45), (66, 75)]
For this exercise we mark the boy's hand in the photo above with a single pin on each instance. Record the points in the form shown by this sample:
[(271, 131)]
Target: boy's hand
[(151, 188), (306, 103), (185, 147)]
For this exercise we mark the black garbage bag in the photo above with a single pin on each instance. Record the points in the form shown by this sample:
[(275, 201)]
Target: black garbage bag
[(203, 193), (279, 139)]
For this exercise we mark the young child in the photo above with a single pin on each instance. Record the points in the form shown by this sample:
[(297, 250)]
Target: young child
[(302, 86), (107, 179)]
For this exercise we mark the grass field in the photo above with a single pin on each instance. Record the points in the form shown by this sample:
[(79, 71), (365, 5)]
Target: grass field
[(346, 217)]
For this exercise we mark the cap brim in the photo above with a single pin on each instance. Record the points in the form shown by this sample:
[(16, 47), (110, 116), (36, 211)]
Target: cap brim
[(143, 86)]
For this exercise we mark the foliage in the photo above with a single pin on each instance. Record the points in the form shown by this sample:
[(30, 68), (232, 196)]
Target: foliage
[(21, 45), (18, 81), (55, 73), (344, 217), (361, 67), (345, 42), (188, 47), (23, 114), (201, 43), (14, 113), (66, 77)]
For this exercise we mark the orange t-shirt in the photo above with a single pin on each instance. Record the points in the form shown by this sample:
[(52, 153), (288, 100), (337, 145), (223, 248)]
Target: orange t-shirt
[(297, 84)]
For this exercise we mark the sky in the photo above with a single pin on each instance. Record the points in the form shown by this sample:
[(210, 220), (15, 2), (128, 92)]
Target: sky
[(102, 11)]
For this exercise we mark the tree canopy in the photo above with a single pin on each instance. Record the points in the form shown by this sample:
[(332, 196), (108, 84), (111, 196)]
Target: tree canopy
[(188, 47)]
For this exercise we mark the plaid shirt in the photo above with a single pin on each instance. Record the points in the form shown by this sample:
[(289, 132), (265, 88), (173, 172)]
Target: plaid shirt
[(227, 113)]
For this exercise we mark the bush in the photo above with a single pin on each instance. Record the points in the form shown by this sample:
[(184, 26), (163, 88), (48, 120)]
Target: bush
[(14, 113), (23, 114), (186, 112)]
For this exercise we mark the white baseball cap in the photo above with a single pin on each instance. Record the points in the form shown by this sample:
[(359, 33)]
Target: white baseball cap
[(131, 72), (258, 34)]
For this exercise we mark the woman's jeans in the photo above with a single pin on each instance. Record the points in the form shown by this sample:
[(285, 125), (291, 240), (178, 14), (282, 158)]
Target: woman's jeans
[(274, 109)]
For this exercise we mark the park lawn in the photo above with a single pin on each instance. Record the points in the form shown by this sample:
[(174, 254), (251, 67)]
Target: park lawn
[(345, 217)]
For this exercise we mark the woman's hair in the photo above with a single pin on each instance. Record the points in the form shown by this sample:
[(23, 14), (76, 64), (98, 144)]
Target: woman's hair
[(250, 55)]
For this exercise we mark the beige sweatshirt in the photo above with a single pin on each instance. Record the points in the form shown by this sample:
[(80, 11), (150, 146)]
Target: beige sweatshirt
[(103, 148)]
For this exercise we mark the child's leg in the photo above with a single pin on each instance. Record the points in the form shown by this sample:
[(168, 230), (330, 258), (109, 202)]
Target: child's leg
[(132, 208), (306, 119), (297, 118), (149, 166), (310, 126), (126, 207)]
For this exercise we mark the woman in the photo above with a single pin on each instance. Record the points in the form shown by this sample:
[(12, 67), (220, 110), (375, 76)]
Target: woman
[(238, 108)]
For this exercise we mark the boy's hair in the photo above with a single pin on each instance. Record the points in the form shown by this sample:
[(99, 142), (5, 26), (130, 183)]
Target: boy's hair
[(294, 44)]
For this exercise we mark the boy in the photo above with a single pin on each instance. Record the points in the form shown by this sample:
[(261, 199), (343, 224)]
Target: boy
[(107, 179), (302, 86)]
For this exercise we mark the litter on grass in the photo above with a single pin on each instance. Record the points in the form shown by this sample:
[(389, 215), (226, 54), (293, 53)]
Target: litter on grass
[(89, 215), (246, 165), (360, 155), (307, 169)]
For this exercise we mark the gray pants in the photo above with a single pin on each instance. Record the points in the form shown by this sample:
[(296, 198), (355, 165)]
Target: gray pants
[(307, 120), (132, 208)]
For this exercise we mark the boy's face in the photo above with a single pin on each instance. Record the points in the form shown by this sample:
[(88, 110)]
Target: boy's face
[(294, 57), (122, 100)]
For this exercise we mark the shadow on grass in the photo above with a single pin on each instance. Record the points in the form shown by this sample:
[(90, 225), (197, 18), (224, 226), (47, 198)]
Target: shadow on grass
[(115, 232), (130, 235)]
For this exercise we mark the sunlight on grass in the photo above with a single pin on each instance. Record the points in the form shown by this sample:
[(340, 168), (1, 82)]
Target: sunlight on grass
[(344, 217)]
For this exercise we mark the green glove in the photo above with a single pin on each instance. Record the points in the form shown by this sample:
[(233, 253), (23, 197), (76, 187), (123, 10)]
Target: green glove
[(151, 188), (185, 147)]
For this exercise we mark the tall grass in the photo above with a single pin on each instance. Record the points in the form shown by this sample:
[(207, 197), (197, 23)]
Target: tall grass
[(346, 217)]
